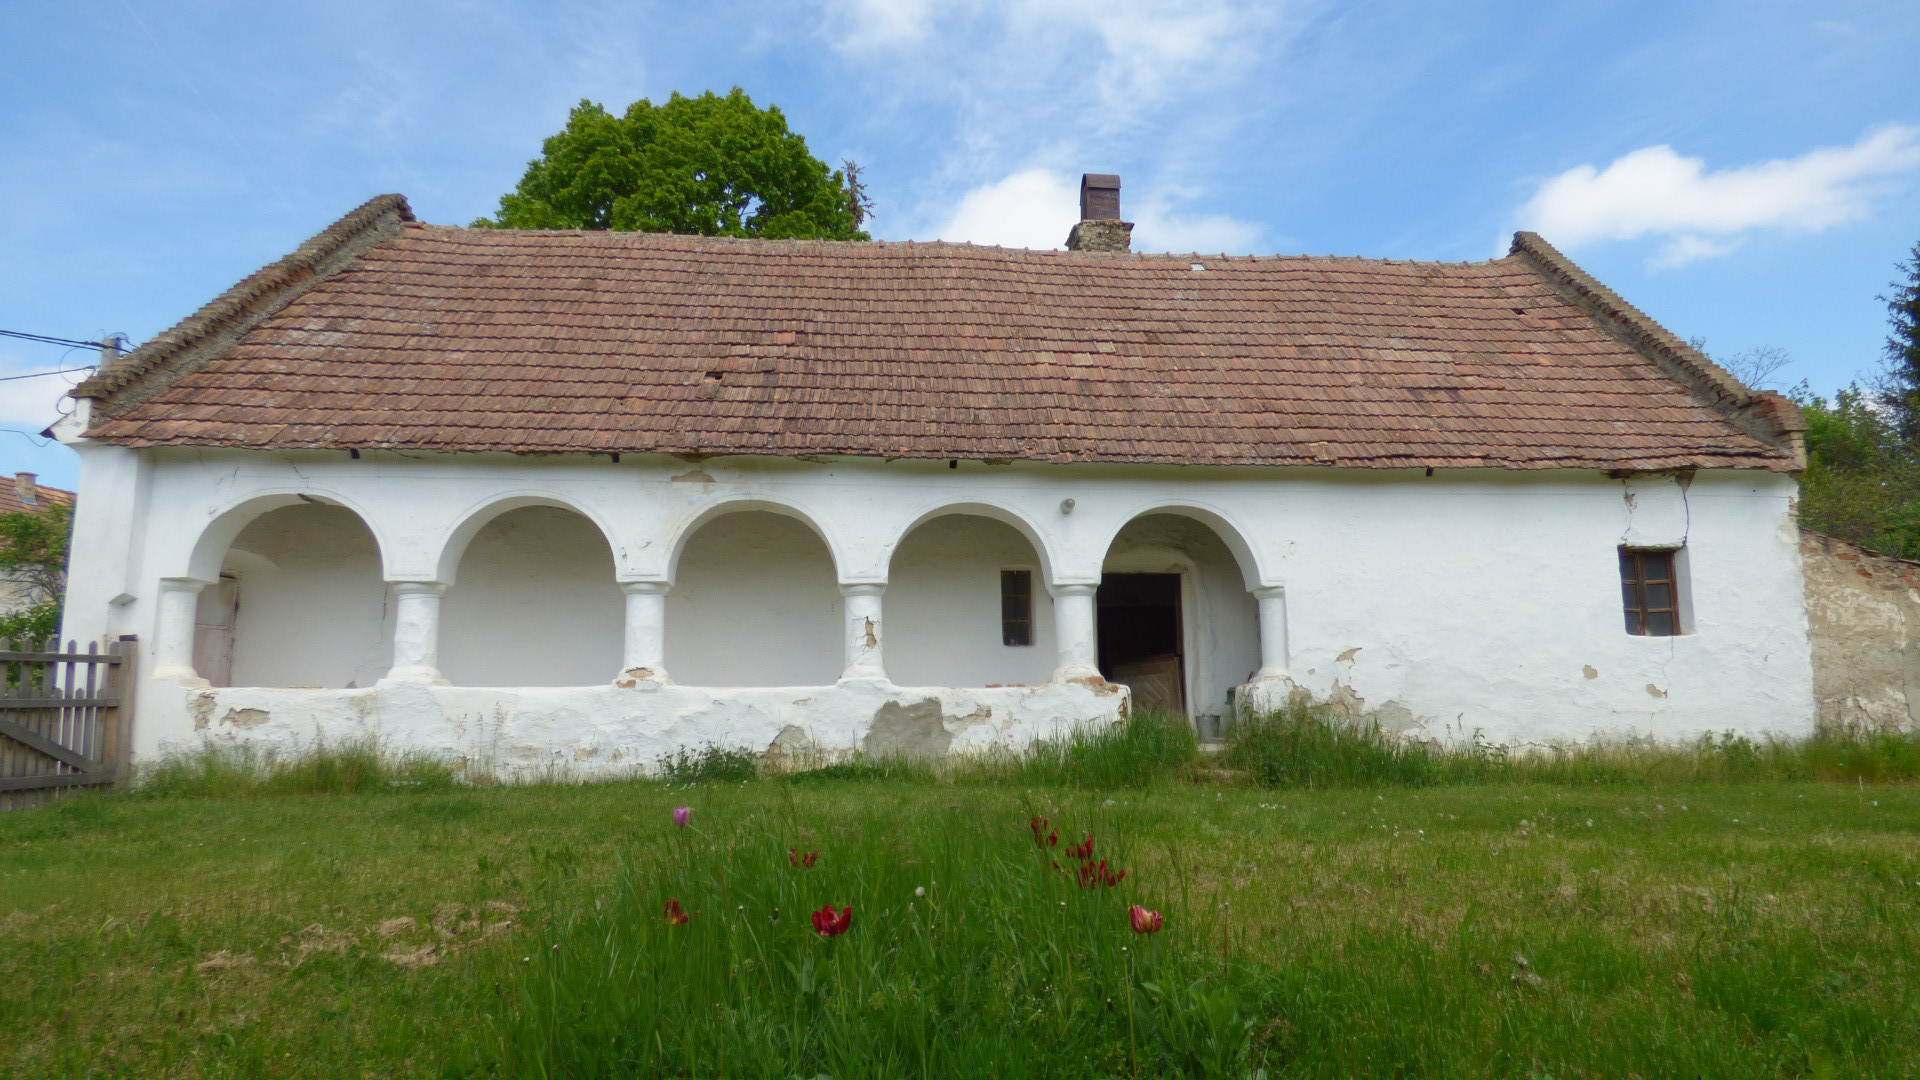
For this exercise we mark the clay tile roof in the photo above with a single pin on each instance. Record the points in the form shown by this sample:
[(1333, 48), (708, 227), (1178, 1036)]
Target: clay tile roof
[(11, 501), (387, 333)]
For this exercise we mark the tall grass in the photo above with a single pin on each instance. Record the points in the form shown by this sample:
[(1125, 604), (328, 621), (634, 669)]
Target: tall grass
[(1306, 746), (1133, 753), (976, 949), (215, 771)]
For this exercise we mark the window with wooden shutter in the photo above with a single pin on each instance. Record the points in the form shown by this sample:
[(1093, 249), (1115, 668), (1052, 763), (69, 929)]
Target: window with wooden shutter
[(1650, 592), (1016, 607)]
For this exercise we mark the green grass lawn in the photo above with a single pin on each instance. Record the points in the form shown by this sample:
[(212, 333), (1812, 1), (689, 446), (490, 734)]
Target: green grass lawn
[(1523, 930)]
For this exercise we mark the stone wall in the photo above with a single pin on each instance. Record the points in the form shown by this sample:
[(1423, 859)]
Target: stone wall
[(1863, 611)]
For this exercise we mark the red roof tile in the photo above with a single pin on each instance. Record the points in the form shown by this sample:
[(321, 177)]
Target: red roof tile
[(14, 488), (383, 332)]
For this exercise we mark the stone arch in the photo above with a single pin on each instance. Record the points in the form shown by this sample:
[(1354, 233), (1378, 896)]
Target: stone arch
[(454, 547), (295, 596), (1019, 522), (951, 579), (756, 602), (536, 601), (1176, 613), (210, 548), (1229, 532), (743, 503)]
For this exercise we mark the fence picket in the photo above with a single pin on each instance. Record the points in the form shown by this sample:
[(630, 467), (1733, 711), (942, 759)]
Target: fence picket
[(62, 717)]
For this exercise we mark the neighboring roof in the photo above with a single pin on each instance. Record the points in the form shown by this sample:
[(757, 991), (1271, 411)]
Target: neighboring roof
[(14, 489), (382, 332)]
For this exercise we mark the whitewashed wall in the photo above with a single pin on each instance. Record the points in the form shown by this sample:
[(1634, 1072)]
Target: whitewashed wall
[(1472, 601)]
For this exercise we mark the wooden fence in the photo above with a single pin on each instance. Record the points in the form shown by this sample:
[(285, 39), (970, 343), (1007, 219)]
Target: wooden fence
[(64, 718)]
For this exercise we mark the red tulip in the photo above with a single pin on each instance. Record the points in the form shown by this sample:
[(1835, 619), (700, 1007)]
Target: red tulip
[(673, 913), (1040, 836), (798, 860), (1082, 850), (828, 924), (1144, 921), (1097, 875)]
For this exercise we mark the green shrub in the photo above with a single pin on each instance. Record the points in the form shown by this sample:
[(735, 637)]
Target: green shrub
[(709, 764)]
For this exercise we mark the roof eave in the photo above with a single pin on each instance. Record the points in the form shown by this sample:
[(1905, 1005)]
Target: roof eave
[(1766, 415), (224, 320)]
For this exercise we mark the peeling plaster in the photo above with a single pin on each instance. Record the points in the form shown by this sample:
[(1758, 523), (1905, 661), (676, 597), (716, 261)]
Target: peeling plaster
[(245, 718), (607, 731)]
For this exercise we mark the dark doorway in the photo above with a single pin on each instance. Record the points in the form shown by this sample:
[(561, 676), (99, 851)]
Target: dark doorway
[(1139, 628)]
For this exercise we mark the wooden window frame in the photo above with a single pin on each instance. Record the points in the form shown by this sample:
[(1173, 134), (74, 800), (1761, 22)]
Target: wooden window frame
[(1016, 608), (1641, 616)]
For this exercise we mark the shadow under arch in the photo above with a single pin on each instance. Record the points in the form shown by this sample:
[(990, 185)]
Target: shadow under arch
[(739, 504), (1229, 533), (1018, 522), (454, 547), (210, 550)]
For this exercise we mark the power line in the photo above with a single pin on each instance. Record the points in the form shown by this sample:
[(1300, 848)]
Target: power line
[(38, 374), (44, 339)]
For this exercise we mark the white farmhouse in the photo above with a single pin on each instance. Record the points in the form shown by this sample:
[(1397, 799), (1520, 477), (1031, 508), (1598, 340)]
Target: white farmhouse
[(569, 500)]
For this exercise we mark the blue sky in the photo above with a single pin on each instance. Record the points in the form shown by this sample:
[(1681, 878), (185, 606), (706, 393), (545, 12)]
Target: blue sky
[(1745, 171)]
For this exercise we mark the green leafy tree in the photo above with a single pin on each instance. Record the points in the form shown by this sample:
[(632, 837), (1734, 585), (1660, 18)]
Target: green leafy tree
[(1862, 482), (33, 554), (711, 165), (1900, 389)]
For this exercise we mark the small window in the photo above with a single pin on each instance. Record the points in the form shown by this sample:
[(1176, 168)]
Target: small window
[(1016, 607), (1650, 592)]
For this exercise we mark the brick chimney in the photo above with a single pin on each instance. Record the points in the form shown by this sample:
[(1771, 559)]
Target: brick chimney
[(1100, 227), (25, 487)]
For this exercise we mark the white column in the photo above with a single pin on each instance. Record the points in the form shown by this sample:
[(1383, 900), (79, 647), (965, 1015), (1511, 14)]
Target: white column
[(1075, 629), (416, 632), (645, 655), (1273, 632), (178, 613), (862, 610)]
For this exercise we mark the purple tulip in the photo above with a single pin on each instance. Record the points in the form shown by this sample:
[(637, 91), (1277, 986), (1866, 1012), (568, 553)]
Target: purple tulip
[(682, 815)]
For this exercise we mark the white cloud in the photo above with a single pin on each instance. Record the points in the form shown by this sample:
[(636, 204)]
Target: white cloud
[(1142, 51), (1159, 229), (1656, 192), (1036, 208), (1150, 47), (32, 404), (873, 24), (1031, 209)]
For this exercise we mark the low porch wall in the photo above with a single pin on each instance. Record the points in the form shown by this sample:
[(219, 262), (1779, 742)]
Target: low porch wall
[(595, 732)]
